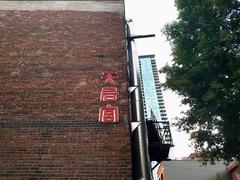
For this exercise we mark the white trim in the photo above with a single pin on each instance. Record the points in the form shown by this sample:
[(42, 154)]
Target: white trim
[(94, 6)]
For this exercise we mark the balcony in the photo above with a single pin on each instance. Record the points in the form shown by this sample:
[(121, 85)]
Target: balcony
[(159, 139)]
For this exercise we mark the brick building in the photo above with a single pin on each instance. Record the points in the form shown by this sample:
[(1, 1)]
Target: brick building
[(52, 56)]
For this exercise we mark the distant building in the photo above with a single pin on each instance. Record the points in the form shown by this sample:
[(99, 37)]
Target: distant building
[(159, 134), (192, 156), (151, 88), (191, 170)]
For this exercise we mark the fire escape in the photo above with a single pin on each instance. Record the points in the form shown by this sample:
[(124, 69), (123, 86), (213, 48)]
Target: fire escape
[(159, 139)]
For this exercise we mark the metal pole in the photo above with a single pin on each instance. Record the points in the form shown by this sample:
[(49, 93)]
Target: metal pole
[(140, 36), (141, 160)]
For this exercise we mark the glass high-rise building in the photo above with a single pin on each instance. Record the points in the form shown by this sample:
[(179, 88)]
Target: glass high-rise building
[(158, 128), (151, 88)]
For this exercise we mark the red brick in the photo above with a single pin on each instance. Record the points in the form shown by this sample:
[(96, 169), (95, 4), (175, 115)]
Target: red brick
[(50, 69)]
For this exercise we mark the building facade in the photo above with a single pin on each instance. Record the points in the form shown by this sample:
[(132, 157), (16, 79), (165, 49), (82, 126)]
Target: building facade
[(63, 74), (159, 134), (192, 169), (151, 88)]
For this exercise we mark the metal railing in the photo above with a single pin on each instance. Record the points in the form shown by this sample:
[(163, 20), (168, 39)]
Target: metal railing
[(163, 129)]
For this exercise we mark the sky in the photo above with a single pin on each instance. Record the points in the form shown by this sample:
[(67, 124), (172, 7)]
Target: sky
[(149, 17)]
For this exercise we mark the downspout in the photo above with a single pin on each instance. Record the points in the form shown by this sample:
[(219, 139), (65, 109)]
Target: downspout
[(141, 160)]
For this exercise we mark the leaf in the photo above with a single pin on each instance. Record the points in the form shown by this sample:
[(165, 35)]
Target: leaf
[(206, 71)]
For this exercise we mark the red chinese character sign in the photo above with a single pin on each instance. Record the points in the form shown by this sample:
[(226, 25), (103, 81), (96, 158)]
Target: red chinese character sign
[(109, 78), (108, 114), (109, 93)]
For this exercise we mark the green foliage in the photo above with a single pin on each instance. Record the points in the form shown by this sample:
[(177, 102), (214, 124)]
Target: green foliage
[(205, 41), (219, 177)]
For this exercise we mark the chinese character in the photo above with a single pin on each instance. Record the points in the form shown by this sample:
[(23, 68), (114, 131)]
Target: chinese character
[(109, 78), (108, 114), (108, 94)]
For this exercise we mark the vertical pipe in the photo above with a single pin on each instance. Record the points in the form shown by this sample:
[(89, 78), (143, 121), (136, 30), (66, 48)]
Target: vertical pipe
[(141, 160)]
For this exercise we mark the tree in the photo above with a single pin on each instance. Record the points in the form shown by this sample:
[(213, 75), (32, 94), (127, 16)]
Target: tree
[(205, 42)]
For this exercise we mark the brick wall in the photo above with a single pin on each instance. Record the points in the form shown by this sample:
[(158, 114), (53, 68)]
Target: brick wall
[(50, 68)]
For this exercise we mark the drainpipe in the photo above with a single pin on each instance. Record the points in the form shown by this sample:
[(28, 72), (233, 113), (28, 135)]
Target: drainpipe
[(141, 160)]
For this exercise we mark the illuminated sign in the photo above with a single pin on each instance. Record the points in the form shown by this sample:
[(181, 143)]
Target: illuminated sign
[(109, 93), (109, 78), (108, 114)]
